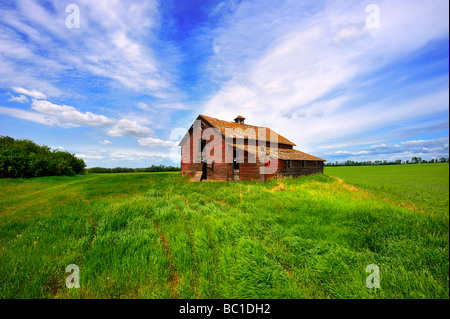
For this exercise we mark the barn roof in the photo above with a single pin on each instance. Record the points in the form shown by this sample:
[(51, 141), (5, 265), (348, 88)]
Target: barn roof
[(221, 125), (280, 153)]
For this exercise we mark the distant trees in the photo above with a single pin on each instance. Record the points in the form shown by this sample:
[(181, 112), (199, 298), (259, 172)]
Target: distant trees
[(414, 160), (24, 158), (153, 168)]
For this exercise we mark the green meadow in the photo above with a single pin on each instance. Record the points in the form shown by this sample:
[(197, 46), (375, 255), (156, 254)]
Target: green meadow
[(158, 235), (423, 185)]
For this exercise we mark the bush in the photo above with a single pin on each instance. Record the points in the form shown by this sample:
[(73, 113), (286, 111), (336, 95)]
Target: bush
[(24, 158), (153, 168)]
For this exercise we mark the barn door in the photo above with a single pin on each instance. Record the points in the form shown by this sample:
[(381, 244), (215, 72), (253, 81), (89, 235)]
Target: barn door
[(204, 160), (204, 170)]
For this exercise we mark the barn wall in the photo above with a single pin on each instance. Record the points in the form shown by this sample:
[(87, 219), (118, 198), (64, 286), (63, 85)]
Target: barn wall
[(250, 171), (297, 170), (216, 171), (188, 167)]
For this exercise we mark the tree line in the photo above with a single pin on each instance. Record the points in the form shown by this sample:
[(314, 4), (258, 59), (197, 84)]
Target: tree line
[(153, 168), (414, 160), (24, 158)]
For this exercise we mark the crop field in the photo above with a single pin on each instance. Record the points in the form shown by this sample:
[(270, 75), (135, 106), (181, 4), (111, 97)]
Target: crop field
[(423, 185), (157, 235)]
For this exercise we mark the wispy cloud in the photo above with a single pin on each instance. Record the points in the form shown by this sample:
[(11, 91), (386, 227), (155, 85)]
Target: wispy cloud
[(26, 115), (304, 75), (33, 93), (419, 147), (19, 99), (154, 142), (110, 43)]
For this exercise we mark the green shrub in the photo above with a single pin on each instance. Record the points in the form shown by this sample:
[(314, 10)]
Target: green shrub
[(24, 158)]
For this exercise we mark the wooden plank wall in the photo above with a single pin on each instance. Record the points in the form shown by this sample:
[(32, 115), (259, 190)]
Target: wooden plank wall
[(296, 168)]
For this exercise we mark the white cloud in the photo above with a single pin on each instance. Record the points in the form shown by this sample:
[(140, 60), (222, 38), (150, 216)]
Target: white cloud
[(68, 116), (174, 106), (154, 142), (105, 142), (129, 128), (84, 156), (33, 93), (171, 106), (143, 106), (124, 154), (20, 99), (136, 155), (351, 34)]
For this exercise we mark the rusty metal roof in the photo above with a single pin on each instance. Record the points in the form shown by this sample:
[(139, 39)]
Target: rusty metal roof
[(270, 135)]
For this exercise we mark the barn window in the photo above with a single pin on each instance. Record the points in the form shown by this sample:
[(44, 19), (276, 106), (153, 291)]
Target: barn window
[(288, 164), (315, 163), (303, 164)]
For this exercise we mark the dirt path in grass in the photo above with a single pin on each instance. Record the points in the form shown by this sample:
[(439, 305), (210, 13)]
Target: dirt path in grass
[(173, 277)]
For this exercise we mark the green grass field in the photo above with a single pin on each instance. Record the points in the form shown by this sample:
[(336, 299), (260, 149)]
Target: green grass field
[(423, 185), (157, 235)]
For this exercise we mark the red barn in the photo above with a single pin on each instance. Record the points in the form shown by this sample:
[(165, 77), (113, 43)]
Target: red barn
[(214, 149)]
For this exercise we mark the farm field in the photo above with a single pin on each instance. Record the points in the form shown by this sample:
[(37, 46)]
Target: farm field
[(156, 235), (423, 185)]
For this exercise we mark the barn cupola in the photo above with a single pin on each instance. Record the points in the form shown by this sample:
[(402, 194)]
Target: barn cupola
[(239, 119)]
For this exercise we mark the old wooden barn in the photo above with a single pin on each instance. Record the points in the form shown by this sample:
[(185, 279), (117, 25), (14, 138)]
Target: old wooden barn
[(214, 149)]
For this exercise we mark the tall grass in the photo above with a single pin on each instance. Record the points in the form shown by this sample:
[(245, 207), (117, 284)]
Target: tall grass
[(158, 235)]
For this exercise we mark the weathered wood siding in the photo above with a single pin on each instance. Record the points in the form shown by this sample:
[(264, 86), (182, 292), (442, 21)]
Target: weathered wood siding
[(296, 168)]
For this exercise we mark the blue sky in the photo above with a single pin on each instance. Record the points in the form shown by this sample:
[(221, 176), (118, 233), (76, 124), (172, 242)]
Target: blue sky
[(121, 88)]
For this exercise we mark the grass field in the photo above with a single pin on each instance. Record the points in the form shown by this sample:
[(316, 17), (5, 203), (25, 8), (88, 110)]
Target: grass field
[(423, 185), (156, 235)]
